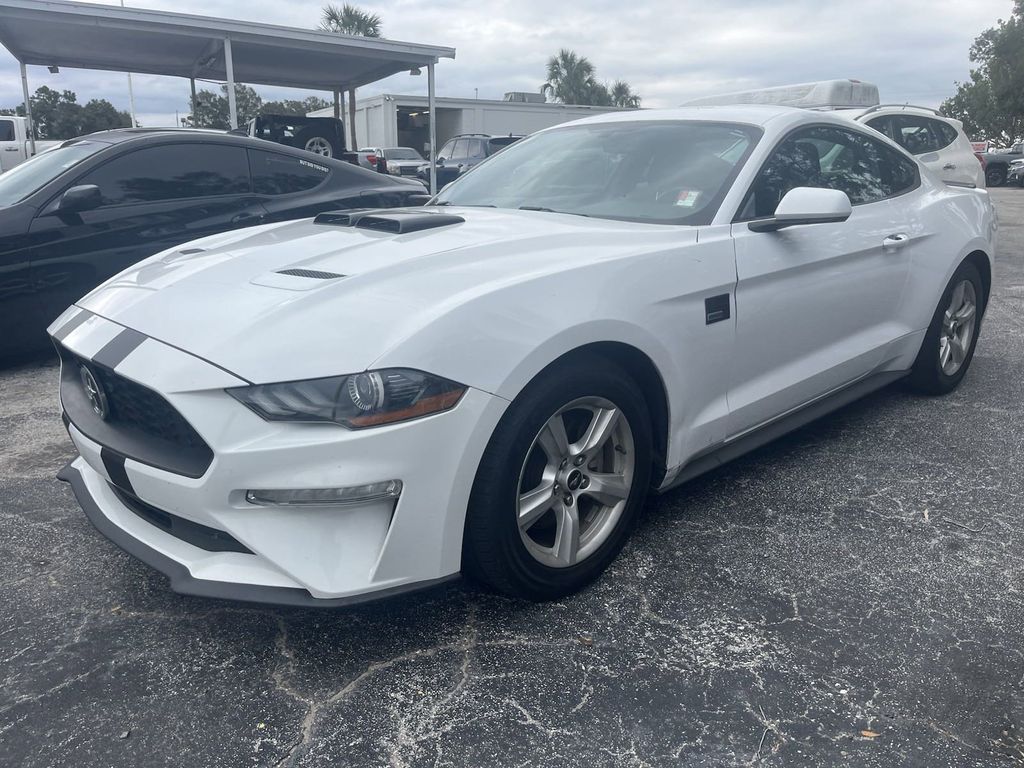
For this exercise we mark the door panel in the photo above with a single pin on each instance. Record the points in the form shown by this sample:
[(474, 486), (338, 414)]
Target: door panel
[(818, 305), (77, 252)]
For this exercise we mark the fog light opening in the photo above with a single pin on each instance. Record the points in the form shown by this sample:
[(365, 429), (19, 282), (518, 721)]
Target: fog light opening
[(353, 494)]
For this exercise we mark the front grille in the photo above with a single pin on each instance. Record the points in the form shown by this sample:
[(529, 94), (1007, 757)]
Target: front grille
[(196, 534), (140, 423), (408, 170)]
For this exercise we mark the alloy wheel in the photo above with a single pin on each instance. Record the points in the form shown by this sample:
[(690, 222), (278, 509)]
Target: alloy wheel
[(575, 482), (958, 325)]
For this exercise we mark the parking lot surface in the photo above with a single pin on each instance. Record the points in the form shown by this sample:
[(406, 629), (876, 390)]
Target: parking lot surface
[(850, 594)]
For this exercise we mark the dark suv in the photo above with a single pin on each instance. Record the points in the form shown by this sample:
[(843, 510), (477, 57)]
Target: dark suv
[(460, 153)]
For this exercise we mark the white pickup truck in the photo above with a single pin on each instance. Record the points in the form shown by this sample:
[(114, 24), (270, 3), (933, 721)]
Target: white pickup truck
[(14, 144)]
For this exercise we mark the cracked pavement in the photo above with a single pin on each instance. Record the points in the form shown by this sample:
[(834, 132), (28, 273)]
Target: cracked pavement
[(851, 593)]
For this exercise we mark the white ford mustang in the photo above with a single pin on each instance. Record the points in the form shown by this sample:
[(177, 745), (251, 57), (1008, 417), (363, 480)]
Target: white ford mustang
[(323, 412)]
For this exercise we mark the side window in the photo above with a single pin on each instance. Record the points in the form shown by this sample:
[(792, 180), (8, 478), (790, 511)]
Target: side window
[(274, 173), (171, 172), (946, 133), (6, 130), (476, 148), (883, 125), (914, 134), (830, 158), (459, 151), (446, 150)]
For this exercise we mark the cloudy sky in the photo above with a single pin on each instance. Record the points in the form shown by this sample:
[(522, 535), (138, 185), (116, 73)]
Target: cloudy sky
[(668, 50)]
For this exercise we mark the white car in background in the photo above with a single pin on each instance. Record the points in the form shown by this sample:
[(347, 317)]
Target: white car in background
[(937, 141), (329, 411)]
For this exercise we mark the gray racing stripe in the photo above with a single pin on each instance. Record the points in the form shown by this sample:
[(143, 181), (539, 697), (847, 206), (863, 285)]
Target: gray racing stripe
[(118, 348), (71, 324)]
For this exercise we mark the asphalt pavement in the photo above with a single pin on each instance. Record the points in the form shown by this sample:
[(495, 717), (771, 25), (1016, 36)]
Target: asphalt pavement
[(850, 594)]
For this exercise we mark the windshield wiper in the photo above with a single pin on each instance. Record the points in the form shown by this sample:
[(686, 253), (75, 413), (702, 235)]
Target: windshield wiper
[(466, 205), (542, 209)]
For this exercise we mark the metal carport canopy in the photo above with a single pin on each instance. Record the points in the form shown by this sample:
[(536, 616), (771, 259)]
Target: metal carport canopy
[(90, 36)]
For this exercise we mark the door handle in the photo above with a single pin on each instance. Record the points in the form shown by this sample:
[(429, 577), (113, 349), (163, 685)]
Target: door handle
[(11, 149), (949, 166), (894, 242)]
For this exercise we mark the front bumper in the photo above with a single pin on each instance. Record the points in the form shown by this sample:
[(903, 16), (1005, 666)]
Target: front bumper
[(317, 555)]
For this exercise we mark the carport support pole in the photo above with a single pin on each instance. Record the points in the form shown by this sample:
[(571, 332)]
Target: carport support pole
[(433, 128), (230, 69), (192, 82), (29, 126)]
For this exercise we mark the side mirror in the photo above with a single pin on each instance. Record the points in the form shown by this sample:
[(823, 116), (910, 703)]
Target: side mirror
[(806, 205), (440, 161), (84, 197)]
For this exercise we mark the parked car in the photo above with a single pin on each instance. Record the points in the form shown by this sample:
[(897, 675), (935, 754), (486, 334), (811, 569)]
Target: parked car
[(997, 163), (937, 141), (461, 153), (1015, 172), (401, 161), (79, 213), (341, 409), (14, 144), (324, 136)]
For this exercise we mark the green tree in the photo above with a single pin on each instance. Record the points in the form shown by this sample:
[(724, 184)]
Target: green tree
[(350, 20), (294, 106), (622, 95), (991, 103), (211, 110), (58, 115)]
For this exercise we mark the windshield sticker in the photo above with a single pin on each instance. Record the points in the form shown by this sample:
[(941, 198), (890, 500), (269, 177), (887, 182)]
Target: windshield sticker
[(687, 197)]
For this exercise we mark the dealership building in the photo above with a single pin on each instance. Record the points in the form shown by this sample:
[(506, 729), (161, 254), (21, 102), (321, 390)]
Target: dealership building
[(388, 120)]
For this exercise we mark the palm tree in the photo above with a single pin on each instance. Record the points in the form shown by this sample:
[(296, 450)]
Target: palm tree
[(623, 96), (350, 20), (570, 78)]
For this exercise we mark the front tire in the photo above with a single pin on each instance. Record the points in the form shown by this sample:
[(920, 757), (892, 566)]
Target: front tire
[(949, 343), (561, 483)]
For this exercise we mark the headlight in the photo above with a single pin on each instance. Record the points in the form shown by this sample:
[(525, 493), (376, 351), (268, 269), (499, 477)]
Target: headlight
[(356, 401)]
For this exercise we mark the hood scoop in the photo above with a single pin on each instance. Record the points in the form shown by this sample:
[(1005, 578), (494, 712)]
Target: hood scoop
[(313, 274), (395, 222)]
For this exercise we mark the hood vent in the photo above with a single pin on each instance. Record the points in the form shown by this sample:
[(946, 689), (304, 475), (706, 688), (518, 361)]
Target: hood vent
[(189, 251), (396, 222), (313, 274)]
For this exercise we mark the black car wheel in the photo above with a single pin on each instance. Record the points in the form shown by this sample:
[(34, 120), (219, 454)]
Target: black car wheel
[(995, 175)]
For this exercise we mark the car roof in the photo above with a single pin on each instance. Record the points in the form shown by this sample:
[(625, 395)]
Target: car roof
[(749, 114)]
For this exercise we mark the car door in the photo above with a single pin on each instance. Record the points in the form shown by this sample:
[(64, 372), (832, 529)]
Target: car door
[(817, 305), (11, 149), (476, 151), (153, 198)]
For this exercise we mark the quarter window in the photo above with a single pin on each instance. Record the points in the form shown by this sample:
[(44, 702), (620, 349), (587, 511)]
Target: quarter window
[(830, 158), (915, 134), (274, 173), (171, 172)]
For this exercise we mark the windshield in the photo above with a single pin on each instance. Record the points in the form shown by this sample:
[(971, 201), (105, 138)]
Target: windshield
[(664, 172), (402, 153), (22, 180)]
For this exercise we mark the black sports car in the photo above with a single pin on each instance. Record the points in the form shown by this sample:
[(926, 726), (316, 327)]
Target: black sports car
[(75, 215)]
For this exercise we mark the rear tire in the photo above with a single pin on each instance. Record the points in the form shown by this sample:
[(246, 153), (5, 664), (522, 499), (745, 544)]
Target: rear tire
[(995, 176), (549, 511), (948, 346)]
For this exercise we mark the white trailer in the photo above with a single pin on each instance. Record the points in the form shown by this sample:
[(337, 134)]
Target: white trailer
[(390, 120)]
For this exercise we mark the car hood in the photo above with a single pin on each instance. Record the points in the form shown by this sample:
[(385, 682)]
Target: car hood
[(349, 294)]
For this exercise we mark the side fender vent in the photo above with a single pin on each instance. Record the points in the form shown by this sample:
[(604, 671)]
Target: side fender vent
[(396, 222), (313, 274)]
